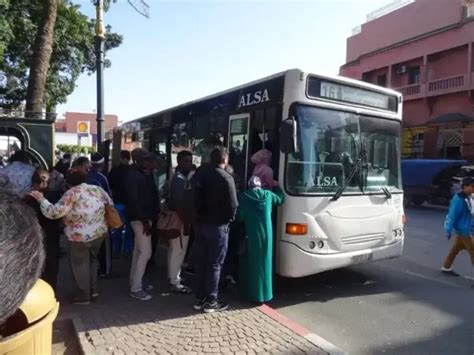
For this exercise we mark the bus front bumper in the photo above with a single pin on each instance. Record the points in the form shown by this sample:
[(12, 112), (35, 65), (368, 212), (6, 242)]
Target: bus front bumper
[(295, 262)]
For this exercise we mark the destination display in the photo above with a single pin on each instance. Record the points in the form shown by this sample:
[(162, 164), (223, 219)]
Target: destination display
[(319, 88)]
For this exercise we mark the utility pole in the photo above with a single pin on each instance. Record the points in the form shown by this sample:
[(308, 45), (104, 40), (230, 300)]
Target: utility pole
[(142, 8), (99, 53)]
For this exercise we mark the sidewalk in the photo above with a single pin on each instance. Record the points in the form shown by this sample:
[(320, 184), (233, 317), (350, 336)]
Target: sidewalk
[(117, 324)]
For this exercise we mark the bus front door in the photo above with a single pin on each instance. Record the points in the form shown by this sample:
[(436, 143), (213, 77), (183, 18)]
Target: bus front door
[(238, 147), (159, 146)]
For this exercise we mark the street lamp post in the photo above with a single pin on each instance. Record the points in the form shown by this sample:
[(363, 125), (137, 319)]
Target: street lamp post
[(99, 53)]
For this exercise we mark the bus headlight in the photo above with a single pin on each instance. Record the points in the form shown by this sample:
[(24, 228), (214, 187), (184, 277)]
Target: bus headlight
[(320, 244), (312, 245)]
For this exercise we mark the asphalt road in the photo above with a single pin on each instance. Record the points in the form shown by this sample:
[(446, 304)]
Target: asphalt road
[(399, 306)]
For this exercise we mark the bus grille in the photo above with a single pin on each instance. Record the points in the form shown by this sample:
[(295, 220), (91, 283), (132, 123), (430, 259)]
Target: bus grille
[(360, 239)]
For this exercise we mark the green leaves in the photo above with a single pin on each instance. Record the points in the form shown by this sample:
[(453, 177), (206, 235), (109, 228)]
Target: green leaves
[(73, 48), (75, 149)]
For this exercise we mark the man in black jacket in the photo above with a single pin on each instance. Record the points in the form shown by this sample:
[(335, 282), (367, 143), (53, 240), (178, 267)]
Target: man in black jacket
[(215, 205), (116, 179), (142, 207)]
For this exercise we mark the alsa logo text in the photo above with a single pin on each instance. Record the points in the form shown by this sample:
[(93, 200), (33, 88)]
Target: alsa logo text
[(257, 97)]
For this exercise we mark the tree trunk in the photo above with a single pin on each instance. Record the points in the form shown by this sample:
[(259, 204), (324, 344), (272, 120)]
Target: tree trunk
[(43, 47)]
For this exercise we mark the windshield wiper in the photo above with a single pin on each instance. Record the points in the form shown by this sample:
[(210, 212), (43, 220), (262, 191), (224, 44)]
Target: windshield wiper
[(355, 169), (369, 167)]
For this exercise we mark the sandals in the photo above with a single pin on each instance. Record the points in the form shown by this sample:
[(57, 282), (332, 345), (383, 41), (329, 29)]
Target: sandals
[(185, 290)]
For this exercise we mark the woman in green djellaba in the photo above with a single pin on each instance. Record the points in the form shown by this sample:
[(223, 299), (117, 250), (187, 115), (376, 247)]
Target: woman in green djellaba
[(256, 259)]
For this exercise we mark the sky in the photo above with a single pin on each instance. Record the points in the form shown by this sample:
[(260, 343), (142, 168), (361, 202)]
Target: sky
[(190, 49)]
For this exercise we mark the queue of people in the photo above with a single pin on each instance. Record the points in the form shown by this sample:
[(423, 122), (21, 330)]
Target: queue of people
[(72, 199)]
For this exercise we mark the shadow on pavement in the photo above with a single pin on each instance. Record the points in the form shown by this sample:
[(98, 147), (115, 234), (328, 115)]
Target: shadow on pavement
[(412, 297)]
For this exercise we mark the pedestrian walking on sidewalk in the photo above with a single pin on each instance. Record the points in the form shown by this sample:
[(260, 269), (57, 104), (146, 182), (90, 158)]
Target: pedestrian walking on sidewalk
[(83, 209), (142, 208), (458, 224), (215, 202), (256, 256), (179, 192)]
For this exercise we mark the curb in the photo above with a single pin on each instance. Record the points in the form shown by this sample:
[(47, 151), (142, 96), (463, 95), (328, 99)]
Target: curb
[(84, 345), (313, 338)]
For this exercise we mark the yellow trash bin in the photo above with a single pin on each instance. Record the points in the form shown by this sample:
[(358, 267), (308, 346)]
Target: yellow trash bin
[(40, 309)]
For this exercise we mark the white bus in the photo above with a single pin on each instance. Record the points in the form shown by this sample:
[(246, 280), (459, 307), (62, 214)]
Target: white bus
[(336, 154)]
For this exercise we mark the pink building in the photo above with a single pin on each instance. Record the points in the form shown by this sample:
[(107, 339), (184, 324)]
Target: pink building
[(424, 49)]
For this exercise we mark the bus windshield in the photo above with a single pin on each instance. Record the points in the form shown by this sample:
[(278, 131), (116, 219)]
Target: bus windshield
[(332, 144)]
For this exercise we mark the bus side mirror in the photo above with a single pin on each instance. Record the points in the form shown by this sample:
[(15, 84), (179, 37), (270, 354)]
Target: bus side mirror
[(288, 136)]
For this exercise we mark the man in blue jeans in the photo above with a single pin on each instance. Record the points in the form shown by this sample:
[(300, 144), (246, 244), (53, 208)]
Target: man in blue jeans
[(215, 204)]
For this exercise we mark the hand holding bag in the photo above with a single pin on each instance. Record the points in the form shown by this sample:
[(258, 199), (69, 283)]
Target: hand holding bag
[(112, 217), (169, 225)]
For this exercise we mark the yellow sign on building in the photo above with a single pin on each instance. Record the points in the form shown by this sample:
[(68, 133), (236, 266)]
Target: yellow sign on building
[(83, 127)]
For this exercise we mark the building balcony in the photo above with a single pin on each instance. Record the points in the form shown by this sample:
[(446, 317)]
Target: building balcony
[(437, 87), (448, 85), (412, 92)]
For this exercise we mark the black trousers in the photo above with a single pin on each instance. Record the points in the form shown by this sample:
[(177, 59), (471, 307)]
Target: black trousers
[(51, 265)]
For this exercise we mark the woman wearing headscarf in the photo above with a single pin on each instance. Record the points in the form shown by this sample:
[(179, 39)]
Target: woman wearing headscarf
[(256, 262), (262, 160)]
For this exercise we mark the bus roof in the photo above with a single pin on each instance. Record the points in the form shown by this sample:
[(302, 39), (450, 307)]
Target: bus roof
[(279, 74)]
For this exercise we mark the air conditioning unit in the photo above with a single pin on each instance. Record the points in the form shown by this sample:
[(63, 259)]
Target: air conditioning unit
[(470, 10), (402, 69)]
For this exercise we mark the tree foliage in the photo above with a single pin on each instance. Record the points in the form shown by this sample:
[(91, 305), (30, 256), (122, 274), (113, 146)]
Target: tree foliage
[(73, 48), (75, 149)]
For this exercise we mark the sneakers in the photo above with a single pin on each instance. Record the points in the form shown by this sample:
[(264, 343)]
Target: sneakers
[(81, 300), (449, 272), (180, 288), (216, 306), (199, 304), (94, 294), (141, 295)]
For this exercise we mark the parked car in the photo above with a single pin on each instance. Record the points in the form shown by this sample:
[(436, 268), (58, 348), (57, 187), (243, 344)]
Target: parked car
[(431, 180)]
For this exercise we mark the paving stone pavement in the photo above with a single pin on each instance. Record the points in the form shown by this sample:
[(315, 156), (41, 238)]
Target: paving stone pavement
[(117, 324)]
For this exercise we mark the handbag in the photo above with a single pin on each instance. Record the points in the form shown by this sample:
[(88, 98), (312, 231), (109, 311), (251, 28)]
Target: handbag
[(169, 225), (112, 217)]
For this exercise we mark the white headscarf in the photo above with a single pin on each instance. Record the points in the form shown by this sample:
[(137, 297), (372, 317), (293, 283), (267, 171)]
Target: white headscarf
[(255, 182)]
